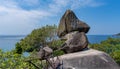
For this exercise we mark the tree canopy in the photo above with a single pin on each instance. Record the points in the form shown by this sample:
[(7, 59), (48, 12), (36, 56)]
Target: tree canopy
[(39, 37)]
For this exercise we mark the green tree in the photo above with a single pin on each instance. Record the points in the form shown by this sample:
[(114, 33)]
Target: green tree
[(39, 37), (110, 46)]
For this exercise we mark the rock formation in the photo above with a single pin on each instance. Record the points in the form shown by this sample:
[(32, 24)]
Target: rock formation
[(69, 23), (76, 41), (72, 29), (88, 59)]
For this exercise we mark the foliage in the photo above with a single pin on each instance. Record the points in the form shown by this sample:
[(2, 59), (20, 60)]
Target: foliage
[(110, 46), (37, 38), (58, 53), (55, 44), (9, 60), (116, 56)]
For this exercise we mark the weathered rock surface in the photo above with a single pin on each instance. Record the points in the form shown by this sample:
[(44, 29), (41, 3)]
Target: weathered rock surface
[(73, 30), (43, 53), (69, 22), (89, 59), (76, 41)]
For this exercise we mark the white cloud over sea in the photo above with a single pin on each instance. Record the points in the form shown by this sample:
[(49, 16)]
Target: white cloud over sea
[(22, 16)]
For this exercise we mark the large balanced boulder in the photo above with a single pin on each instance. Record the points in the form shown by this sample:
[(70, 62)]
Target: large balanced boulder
[(88, 59), (69, 22)]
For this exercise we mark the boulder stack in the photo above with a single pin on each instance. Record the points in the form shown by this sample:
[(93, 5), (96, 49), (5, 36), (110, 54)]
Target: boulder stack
[(74, 30)]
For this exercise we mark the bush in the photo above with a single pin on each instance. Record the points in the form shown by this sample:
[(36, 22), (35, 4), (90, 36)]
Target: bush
[(110, 46), (9, 60), (116, 56)]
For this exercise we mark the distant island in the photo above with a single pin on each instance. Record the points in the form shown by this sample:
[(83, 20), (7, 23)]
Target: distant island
[(117, 34)]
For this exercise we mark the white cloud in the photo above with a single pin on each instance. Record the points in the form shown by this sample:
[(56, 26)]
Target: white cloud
[(58, 5), (14, 19), (18, 21), (8, 3)]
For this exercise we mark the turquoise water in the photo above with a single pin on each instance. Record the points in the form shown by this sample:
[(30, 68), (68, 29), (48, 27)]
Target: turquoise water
[(7, 43)]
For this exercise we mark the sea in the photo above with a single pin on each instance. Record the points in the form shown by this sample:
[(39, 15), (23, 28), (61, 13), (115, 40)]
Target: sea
[(7, 42)]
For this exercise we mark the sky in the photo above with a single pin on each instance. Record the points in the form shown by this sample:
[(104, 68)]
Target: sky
[(20, 17)]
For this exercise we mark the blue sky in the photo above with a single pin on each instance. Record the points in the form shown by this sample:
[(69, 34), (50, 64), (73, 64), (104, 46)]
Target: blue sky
[(20, 17)]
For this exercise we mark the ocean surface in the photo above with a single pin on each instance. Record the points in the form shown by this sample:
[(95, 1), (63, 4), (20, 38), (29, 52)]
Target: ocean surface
[(7, 42)]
